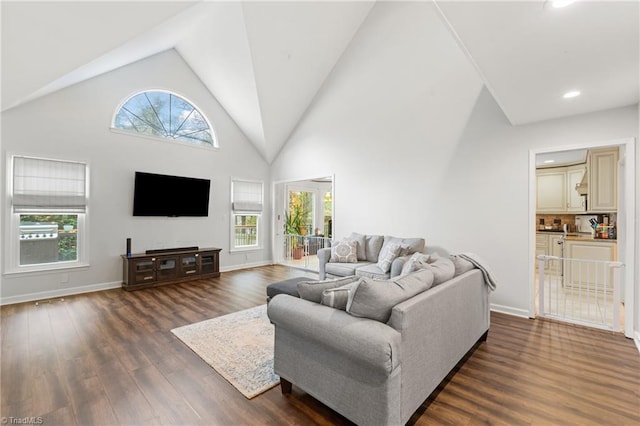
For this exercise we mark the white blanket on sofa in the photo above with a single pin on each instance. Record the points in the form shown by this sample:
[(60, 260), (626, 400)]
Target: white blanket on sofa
[(478, 262)]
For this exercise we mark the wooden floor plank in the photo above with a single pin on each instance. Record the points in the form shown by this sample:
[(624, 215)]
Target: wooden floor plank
[(110, 358)]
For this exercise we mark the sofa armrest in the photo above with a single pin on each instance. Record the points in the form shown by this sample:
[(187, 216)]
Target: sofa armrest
[(438, 328), (324, 254), (364, 340)]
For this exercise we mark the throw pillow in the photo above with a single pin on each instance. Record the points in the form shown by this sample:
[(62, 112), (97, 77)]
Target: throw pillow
[(461, 265), (387, 255), (408, 245), (338, 297), (375, 299), (312, 290), (373, 244), (442, 268), (360, 249), (344, 252), (410, 265)]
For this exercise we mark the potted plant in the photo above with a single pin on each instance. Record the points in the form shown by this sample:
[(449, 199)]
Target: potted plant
[(292, 229)]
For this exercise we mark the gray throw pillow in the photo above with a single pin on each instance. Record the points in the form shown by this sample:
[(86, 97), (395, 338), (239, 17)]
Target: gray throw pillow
[(312, 290), (408, 245), (442, 268), (375, 299), (344, 252), (338, 297), (461, 265), (360, 249), (410, 265)]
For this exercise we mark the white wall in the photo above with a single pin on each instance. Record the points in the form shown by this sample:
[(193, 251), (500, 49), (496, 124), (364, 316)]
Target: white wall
[(74, 124), (419, 149)]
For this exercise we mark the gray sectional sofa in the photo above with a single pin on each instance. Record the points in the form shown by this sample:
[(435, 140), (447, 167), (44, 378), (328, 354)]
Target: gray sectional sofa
[(367, 259), (377, 364)]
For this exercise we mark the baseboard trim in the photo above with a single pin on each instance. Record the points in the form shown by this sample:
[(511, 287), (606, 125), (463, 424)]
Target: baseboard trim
[(52, 294), (636, 339), (510, 311), (246, 266)]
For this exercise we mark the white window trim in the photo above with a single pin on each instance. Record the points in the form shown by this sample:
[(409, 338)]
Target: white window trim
[(12, 223), (233, 214), (214, 135)]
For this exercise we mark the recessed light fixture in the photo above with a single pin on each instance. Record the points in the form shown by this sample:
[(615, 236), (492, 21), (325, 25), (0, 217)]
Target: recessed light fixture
[(571, 94), (561, 3), (549, 161)]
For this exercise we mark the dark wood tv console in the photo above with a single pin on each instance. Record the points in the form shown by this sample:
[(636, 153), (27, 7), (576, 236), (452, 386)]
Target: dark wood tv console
[(168, 267)]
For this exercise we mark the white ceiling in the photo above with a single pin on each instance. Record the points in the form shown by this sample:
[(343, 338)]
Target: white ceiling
[(265, 61)]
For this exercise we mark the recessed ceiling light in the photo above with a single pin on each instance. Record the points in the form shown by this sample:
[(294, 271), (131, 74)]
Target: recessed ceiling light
[(561, 3), (549, 161), (571, 94)]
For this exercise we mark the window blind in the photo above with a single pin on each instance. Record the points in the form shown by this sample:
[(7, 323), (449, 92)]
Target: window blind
[(49, 185), (247, 196)]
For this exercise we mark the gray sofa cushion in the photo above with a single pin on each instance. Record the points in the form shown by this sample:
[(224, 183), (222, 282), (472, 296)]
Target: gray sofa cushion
[(461, 265), (373, 244), (372, 271), (374, 299), (442, 267), (312, 290), (343, 269), (360, 240)]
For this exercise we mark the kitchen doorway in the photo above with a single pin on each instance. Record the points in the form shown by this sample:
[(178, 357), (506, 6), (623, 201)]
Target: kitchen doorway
[(579, 292)]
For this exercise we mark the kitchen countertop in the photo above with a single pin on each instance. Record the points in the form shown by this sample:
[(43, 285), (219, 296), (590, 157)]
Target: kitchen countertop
[(575, 236)]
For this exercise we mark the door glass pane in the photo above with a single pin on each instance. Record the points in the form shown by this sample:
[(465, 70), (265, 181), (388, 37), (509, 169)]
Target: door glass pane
[(300, 215)]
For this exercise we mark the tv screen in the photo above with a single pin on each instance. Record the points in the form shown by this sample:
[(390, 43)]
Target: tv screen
[(163, 195)]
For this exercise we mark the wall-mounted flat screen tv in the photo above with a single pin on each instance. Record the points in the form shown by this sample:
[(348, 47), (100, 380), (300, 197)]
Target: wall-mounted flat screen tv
[(163, 195)]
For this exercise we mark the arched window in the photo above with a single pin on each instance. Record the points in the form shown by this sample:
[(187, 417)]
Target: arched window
[(166, 115)]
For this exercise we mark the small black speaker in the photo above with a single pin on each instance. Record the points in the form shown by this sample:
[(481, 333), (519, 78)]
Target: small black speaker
[(128, 247)]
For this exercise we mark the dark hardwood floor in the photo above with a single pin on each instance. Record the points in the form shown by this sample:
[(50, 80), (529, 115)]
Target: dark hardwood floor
[(109, 358)]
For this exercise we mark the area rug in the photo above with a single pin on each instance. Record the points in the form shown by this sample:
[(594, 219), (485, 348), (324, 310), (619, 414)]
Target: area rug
[(239, 346)]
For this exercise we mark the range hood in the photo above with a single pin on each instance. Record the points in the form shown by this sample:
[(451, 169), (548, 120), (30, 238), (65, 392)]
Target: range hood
[(583, 186)]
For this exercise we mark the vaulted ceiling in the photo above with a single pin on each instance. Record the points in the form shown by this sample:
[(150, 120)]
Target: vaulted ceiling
[(266, 61)]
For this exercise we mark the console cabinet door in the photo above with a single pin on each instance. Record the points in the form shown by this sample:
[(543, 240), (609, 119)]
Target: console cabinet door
[(188, 264), (166, 268), (209, 262), (143, 270)]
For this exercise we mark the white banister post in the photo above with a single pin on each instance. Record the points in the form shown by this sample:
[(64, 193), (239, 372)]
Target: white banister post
[(541, 260), (615, 269)]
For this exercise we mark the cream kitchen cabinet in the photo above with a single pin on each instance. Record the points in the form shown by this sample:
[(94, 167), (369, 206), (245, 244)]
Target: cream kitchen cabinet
[(587, 270), (551, 190), (575, 201), (555, 189), (547, 244), (603, 180)]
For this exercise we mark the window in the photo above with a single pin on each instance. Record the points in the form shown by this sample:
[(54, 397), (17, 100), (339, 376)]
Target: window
[(49, 203), (246, 206), (166, 115)]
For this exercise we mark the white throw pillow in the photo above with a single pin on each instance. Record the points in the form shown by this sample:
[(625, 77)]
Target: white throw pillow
[(387, 256), (344, 252)]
